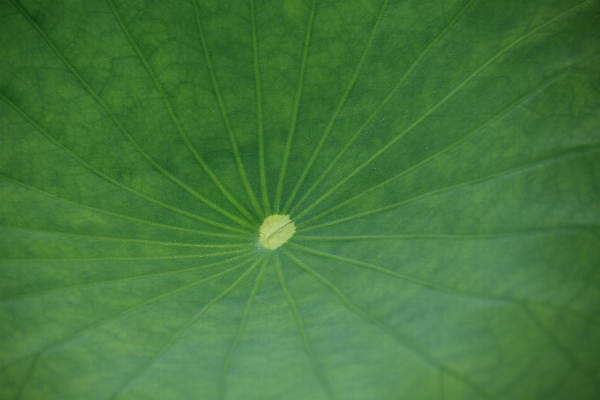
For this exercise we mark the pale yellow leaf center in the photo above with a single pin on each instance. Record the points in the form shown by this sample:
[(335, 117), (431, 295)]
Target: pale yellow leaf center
[(276, 230)]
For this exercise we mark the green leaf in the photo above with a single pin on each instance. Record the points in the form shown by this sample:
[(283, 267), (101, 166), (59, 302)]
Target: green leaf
[(439, 160)]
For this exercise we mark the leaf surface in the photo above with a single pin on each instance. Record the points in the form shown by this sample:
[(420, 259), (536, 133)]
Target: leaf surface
[(439, 160)]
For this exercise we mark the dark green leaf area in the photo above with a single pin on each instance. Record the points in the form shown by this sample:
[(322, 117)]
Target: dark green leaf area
[(440, 161)]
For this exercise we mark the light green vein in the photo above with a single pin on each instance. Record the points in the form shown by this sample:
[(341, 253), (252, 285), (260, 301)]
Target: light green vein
[(120, 239), (241, 328), (290, 139), (112, 181), (368, 266), (336, 112), (563, 350), (27, 378), (221, 104), (443, 289), (178, 126), (399, 338), (446, 149), (68, 339), (519, 169), (438, 236), (313, 360), (118, 123), (385, 101), (414, 236), (120, 216), (99, 259), (78, 286), (259, 114), (181, 330), (425, 115)]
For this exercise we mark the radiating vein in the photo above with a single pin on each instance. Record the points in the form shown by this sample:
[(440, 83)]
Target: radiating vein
[(425, 115), (177, 124), (27, 378), (439, 288), (336, 112), (241, 328), (414, 236), (446, 149), (68, 339), (112, 181), (368, 266), (117, 258), (120, 216), (120, 239), (118, 123), (221, 104), (290, 138), (259, 113), (381, 106), (442, 390), (518, 169), (292, 303), (397, 337), (443, 236), (181, 330), (564, 351), (78, 286)]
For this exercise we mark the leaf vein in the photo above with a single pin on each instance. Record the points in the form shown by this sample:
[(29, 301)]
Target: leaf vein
[(425, 115), (576, 150), (117, 215), (241, 328), (337, 110), (446, 149), (70, 338), (223, 111), (398, 337), (290, 138), (381, 106), (112, 181), (145, 368), (113, 117), (305, 343)]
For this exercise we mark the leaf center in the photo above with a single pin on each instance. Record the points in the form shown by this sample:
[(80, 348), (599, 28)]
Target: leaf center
[(276, 230)]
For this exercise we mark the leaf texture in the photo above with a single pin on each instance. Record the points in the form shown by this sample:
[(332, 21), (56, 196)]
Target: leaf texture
[(440, 161)]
